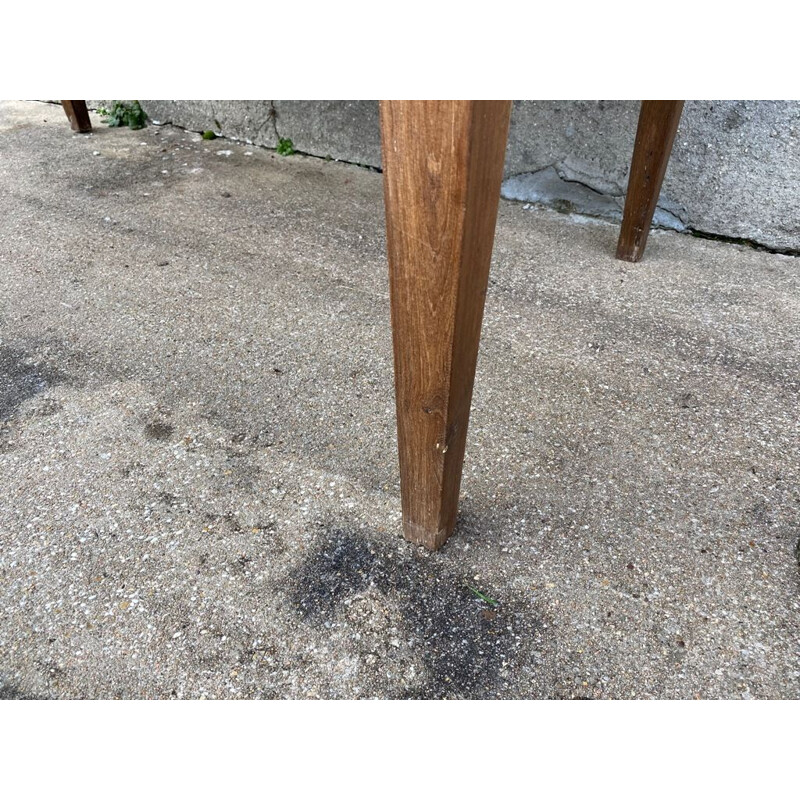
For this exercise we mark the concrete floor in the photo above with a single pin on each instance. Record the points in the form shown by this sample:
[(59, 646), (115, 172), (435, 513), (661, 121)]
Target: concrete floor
[(199, 494)]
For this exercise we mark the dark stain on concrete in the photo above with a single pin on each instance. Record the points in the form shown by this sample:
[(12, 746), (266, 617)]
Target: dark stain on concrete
[(21, 378), (467, 645), (10, 692), (158, 431)]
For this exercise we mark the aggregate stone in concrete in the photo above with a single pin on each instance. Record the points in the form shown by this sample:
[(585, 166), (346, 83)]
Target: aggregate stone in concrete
[(200, 495)]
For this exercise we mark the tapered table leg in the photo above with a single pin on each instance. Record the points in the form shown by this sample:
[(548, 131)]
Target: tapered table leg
[(443, 165), (658, 123), (78, 115)]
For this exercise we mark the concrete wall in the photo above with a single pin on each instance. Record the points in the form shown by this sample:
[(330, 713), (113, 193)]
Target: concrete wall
[(735, 168)]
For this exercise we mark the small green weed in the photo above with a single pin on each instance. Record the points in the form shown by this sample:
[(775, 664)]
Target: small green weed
[(122, 114), (285, 147), (485, 597), (209, 135)]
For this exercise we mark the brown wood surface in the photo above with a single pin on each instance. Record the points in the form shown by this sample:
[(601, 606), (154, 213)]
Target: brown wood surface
[(658, 123), (78, 115), (443, 165)]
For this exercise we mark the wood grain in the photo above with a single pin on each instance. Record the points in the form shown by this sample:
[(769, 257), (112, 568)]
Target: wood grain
[(658, 123), (443, 165), (78, 115)]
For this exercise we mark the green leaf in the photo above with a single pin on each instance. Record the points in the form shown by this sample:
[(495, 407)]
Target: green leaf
[(285, 147), (486, 599), (130, 114)]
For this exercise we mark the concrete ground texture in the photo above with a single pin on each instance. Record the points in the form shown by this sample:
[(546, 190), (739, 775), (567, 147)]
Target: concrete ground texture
[(199, 490)]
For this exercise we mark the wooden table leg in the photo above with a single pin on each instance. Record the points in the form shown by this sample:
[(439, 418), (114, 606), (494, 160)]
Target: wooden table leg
[(443, 165), (658, 123), (78, 115)]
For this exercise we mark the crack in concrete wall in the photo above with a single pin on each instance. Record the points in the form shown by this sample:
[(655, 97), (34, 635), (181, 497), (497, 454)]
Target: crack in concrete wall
[(552, 188)]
